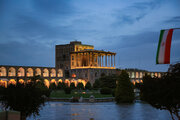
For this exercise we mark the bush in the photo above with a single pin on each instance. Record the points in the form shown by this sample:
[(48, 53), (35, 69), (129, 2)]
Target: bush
[(72, 86), (106, 90), (88, 86), (80, 86), (67, 90)]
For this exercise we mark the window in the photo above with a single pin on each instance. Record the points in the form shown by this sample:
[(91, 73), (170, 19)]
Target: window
[(72, 57)]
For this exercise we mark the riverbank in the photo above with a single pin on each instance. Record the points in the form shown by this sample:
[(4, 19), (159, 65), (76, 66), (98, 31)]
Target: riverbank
[(79, 93), (107, 99)]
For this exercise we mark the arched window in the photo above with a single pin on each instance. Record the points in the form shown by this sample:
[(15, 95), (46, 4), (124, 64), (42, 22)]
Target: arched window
[(53, 73), (29, 72), (60, 73), (12, 71), (45, 72), (21, 72), (38, 71), (2, 71)]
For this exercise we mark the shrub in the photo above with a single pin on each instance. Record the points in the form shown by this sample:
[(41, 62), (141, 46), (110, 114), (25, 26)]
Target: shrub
[(88, 86), (80, 86), (72, 86), (67, 90), (106, 90)]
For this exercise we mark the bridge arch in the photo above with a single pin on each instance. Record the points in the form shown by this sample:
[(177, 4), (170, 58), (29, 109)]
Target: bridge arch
[(2, 71)]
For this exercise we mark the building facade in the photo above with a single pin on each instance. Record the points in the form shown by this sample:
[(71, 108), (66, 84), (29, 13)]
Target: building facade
[(136, 75), (83, 61)]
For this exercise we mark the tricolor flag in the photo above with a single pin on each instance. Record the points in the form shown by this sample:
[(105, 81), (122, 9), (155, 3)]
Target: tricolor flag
[(164, 46)]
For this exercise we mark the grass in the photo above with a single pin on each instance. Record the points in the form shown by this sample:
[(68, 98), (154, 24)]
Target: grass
[(76, 93)]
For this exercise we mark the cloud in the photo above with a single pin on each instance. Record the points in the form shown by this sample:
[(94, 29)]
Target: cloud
[(28, 54)]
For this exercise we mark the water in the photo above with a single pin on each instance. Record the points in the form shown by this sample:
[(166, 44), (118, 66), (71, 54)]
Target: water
[(100, 111)]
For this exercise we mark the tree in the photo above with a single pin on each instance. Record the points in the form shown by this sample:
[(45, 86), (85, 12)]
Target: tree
[(164, 92), (80, 86), (72, 86), (108, 81), (26, 98), (124, 91), (96, 84), (52, 86), (88, 85)]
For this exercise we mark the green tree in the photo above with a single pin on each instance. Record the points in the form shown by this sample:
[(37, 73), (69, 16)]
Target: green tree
[(108, 81), (72, 86), (26, 98), (88, 86), (53, 86), (96, 84), (124, 91), (80, 86), (164, 92)]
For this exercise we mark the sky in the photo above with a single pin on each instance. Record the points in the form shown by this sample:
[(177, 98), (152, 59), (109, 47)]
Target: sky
[(30, 29)]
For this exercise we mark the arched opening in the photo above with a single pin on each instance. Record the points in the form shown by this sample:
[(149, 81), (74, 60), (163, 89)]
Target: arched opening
[(67, 82), (45, 72), (73, 75), (74, 81), (53, 81), (21, 72), (46, 82), (141, 81), (38, 71), (21, 81), (12, 71), (12, 81), (3, 83), (29, 72), (84, 83), (137, 81), (53, 73), (2, 71), (60, 73), (60, 80), (133, 82)]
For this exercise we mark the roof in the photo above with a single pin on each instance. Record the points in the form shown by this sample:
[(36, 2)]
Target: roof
[(94, 51)]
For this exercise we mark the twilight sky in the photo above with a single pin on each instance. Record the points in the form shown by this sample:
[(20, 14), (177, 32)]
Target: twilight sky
[(30, 29)]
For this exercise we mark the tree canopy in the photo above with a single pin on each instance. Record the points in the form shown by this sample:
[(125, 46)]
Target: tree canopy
[(164, 92), (124, 91), (26, 98)]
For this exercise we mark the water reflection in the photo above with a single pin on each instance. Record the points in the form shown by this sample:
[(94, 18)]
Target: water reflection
[(100, 111)]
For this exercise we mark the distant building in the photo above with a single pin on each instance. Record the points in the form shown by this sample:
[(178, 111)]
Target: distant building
[(136, 75)]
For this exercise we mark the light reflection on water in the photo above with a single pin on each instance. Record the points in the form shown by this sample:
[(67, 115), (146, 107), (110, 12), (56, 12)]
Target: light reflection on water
[(100, 111)]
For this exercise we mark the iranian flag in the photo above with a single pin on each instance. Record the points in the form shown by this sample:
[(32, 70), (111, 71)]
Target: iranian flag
[(164, 46)]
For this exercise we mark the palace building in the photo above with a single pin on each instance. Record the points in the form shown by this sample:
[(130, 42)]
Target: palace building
[(83, 61), (74, 62)]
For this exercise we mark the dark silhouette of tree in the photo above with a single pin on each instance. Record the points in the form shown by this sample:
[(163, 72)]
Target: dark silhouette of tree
[(72, 86), (108, 81), (80, 86), (96, 84), (88, 86), (164, 92), (53, 86), (26, 98), (124, 91)]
